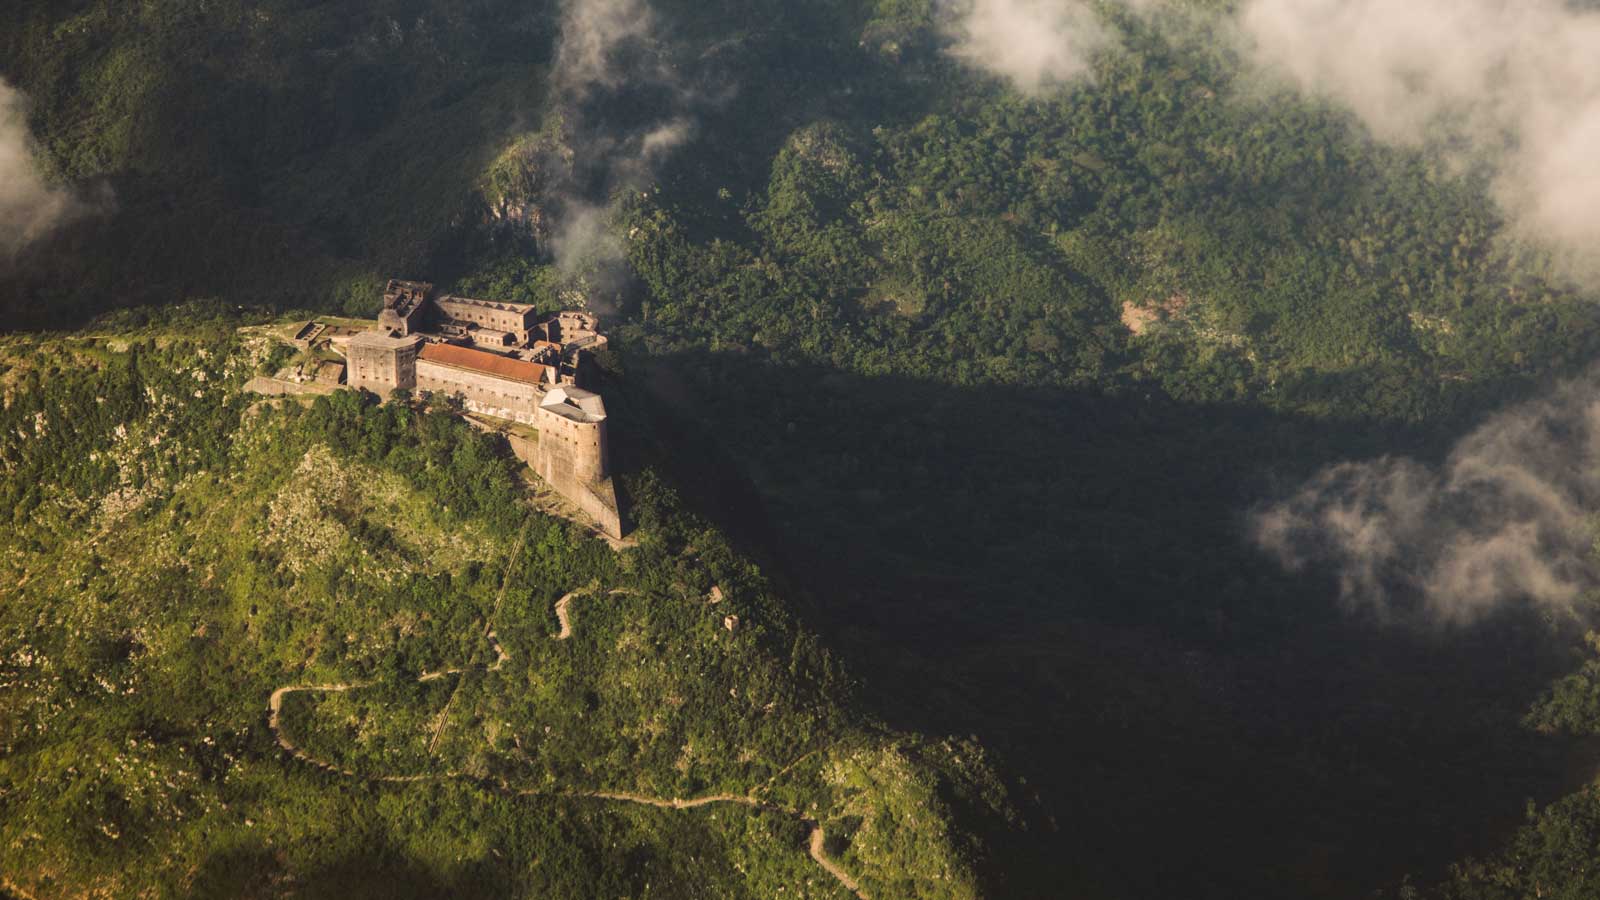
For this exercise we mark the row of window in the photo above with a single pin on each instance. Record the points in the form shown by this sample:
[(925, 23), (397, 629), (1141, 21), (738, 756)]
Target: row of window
[(475, 390), (504, 322)]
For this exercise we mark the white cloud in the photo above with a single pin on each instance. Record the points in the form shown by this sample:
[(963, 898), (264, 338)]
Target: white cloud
[(612, 48), (591, 33), (30, 208), (1506, 517), (1033, 43), (1512, 84)]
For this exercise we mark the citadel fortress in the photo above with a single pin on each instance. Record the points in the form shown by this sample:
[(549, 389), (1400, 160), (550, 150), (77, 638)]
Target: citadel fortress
[(513, 370)]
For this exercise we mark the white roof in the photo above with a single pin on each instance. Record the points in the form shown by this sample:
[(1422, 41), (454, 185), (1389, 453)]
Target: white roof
[(575, 403)]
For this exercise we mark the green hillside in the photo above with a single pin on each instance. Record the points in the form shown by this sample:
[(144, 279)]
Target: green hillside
[(962, 398), (168, 583)]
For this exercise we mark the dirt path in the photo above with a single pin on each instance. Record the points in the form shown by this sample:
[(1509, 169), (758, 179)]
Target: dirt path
[(275, 710), (564, 609), (564, 616), (677, 803), (820, 856), (816, 841), (786, 770)]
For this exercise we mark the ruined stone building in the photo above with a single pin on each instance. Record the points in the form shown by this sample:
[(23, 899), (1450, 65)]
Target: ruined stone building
[(504, 361)]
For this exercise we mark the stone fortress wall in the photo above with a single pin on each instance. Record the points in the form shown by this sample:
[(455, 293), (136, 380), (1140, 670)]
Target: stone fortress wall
[(381, 363), (573, 454), (514, 319), (424, 343), (549, 460), (479, 393), (494, 385), (583, 442)]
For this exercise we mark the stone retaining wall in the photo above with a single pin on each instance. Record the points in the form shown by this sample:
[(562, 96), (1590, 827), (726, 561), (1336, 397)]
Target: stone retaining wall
[(596, 498)]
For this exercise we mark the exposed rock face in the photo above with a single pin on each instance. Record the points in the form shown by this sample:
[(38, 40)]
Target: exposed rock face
[(523, 184), (523, 216)]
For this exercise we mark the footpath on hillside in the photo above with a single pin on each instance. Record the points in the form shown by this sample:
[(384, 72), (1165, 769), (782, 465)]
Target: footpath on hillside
[(563, 609)]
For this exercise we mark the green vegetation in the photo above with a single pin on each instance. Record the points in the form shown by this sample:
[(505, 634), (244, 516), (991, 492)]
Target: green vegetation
[(168, 582), (1552, 854), (967, 387), (923, 226)]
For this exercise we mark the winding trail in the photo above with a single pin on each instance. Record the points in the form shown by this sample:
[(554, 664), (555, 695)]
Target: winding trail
[(564, 616), (819, 854), (815, 847), (564, 608), (500, 654), (275, 709), (816, 842)]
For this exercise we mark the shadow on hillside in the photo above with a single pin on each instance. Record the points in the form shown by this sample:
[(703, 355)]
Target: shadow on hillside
[(304, 179), (381, 871), (1068, 577)]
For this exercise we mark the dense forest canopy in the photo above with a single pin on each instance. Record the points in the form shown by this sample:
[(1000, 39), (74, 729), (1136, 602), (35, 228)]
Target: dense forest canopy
[(992, 330)]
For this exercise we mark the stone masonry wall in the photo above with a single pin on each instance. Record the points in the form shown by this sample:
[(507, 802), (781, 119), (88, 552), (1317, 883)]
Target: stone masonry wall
[(583, 443), (514, 320), (550, 461), (501, 397), (381, 369)]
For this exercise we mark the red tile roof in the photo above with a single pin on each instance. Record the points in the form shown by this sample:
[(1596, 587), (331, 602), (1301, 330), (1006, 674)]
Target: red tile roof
[(487, 363)]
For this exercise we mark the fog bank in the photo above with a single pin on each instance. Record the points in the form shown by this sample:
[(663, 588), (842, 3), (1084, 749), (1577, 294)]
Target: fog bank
[(1035, 44), (1506, 517), (1515, 86), (609, 50), (30, 208)]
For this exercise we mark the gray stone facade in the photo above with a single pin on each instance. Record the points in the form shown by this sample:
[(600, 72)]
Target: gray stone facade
[(404, 306), (380, 363), (513, 320)]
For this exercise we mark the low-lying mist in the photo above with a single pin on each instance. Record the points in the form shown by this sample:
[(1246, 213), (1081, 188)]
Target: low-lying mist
[(1509, 516), (611, 49), (30, 207), (1511, 88)]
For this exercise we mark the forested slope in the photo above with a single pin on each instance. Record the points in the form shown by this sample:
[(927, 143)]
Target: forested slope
[(165, 582), (995, 377)]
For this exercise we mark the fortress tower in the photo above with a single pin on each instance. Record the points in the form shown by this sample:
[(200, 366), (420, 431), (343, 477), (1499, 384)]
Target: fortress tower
[(380, 363), (404, 305), (572, 436)]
